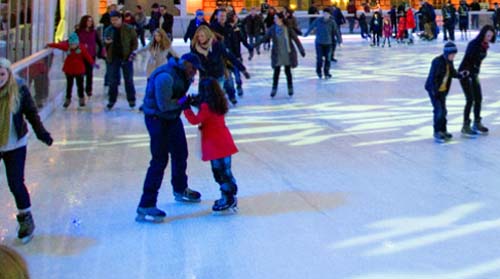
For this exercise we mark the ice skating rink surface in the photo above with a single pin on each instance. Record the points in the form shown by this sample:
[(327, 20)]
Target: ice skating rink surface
[(343, 180)]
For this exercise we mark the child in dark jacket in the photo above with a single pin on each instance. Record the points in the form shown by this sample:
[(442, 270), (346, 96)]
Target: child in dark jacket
[(74, 66), (438, 85), (376, 28), (217, 144)]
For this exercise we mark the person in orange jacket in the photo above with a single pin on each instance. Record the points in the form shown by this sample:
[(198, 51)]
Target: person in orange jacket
[(74, 66)]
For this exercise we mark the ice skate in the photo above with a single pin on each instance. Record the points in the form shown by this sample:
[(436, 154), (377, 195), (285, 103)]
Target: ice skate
[(26, 227), (188, 196), (479, 128), (440, 137), (150, 214), (226, 205), (467, 131)]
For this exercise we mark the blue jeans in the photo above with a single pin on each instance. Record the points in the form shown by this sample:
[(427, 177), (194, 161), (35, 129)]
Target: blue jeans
[(14, 161), (439, 104), (229, 86), (167, 138), (221, 169), (127, 68), (252, 39), (323, 56)]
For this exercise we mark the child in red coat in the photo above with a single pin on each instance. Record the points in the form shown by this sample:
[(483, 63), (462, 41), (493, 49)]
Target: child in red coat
[(217, 144), (401, 29), (74, 66), (387, 31)]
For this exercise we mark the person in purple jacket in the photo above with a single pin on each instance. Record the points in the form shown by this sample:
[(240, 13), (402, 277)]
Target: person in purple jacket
[(89, 37)]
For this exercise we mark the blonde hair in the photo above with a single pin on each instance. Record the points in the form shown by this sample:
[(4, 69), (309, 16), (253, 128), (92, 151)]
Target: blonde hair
[(11, 85), (205, 29), (12, 264), (164, 43)]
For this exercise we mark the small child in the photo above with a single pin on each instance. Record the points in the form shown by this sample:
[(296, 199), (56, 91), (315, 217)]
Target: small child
[(438, 84), (401, 29), (376, 28), (217, 144), (387, 30), (74, 66)]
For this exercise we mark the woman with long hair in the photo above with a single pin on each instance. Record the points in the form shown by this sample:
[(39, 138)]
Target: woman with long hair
[(477, 49), (16, 105), (213, 54), (283, 52), (89, 37), (217, 145), (160, 49)]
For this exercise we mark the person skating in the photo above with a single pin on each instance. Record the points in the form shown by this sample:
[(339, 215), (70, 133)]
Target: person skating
[(283, 52), (217, 145), (438, 85), (17, 106), (477, 50), (376, 28), (194, 24), (325, 29), (449, 21), (463, 19), (92, 41), (166, 85), (160, 49), (74, 66), (387, 31)]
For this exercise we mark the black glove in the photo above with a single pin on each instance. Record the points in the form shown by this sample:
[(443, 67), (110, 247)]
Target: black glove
[(246, 75), (46, 138)]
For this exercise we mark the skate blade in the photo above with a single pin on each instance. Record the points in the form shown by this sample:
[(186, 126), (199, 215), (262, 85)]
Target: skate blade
[(467, 136), (148, 219), (25, 240), (229, 211)]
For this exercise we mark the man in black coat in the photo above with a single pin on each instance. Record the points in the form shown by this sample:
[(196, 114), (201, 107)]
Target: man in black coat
[(166, 22), (194, 24)]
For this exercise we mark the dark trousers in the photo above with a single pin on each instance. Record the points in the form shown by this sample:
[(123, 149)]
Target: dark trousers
[(438, 101), (276, 76), (41, 83), (449, 29), (70, 79), (473, 97), (14, 161), (89, 77), (221, 169), (351, 21), (127, 69), (323, 58), (376, 38), (252, 39), (140, 35), (167, 138)]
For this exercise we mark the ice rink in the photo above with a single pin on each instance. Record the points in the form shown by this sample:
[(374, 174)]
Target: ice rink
[(344, 180)]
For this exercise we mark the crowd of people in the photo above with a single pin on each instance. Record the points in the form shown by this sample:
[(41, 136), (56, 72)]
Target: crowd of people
[(215, 53)]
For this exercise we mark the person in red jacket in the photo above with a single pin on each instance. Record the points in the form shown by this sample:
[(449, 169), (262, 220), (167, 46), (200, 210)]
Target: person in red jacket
[(217, 144), (410, 23), (74, 66)]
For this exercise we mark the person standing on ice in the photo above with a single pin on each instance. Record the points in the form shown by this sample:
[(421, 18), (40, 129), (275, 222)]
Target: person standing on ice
[(217, 144), (166, 85), (438, 85), (476, 51), (16, 105), (325, 31)]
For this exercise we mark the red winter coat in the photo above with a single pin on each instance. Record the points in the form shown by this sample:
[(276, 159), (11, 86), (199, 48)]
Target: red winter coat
[(216, 140), (74, 64), (410, 20)]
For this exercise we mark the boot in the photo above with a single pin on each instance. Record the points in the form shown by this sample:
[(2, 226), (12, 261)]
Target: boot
[(273, 92), (81, 102), (467, 131), (67, 102), (26, 227), (228, 201), (150, 214), (290, 91), (479, 128)]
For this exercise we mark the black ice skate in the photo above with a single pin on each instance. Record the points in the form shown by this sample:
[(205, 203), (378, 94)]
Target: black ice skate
[(150, 214), (467, 131), (188, 196), (440, 137), (26, 227), (479, 128), (227, 204)]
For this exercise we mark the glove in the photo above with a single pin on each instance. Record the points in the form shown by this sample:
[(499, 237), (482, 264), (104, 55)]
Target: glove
[(185, 102), (46, 138), (246, 75)]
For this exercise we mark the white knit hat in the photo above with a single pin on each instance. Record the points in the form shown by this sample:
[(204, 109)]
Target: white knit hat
[(5, 63)]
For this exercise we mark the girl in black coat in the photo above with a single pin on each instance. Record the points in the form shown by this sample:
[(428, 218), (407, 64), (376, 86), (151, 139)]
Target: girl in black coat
[(16, 104), (474, 55)]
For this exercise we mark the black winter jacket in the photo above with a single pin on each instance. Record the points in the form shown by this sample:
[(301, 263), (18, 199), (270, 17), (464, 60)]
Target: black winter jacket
[(213, 63), (473, 57), (27, 109), (191, 30), (437, 74)]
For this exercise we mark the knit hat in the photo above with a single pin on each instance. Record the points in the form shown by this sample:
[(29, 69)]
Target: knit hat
[(449, 48), (199, 13), (193, 59), (73, 39)]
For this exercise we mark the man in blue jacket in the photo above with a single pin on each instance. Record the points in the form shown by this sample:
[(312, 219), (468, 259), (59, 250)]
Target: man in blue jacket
[(326, 28), (166, 85)]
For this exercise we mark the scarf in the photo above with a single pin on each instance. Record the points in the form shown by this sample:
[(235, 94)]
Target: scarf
[(4, 115), (205, 48)]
